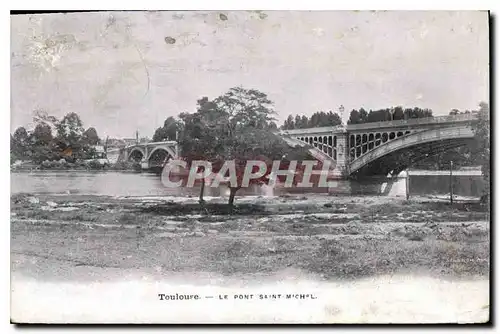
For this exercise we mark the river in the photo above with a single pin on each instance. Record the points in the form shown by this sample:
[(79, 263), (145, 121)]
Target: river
[(114, 183)]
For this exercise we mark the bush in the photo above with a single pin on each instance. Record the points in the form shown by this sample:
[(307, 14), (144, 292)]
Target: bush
[(126, 165), (95, 164)]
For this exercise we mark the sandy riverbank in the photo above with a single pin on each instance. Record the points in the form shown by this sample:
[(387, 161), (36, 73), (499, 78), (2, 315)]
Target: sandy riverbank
[(366, 259)]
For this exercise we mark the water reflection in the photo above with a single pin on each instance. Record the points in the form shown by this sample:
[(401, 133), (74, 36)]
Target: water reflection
[(113, 183), (108, 183)]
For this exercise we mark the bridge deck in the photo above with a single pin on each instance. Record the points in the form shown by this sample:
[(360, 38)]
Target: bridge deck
[(415, 122), (439, 120)]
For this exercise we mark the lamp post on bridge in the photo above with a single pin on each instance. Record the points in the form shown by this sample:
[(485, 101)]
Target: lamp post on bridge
[(341, 113), (342, 159)]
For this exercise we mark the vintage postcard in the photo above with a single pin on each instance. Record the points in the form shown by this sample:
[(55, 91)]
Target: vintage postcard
[(251, 167)]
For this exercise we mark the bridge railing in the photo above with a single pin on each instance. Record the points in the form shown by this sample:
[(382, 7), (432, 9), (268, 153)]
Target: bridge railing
[(311, 130), (415, 121), (168, 142), (385, 124)]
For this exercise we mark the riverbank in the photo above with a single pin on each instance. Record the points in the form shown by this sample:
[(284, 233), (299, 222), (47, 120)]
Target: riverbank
[(63, 165), (361, 236), (324, 240)]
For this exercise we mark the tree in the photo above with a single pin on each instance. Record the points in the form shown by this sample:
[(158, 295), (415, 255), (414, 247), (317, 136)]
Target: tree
[(273, 126), (70, 130), (314, 121), (354, 117), (321, 119), (246, 108), (376, 116), (202, 133), (168, 131), (304, 120), (200, 139), (248, 114), (90, 137), (298, 122), (233, 127), (357, 117), (42, 143), (398, 113), (41, 116), (317, 119), (38, 145), (21, 135), (482, 135), (42, 134), (289, 123), (88, 141), (251, 144), (363, 115), (19, 143), (70, 137), (387, 114), (421, 113), (333, 119)]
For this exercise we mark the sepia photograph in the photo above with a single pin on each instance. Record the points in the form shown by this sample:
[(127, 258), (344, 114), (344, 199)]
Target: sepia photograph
[(250, 167)]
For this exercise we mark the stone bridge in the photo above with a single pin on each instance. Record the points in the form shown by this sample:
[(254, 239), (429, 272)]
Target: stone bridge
[(150, 155), (376, 148)]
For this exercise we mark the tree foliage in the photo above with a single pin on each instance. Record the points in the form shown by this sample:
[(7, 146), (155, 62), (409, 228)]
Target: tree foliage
[(69, 132), (458, 112), (42, 134), (243, 108), (19, 142), (233, 127), (90, 137), (168, 131), (482, 134), (317, 119), (40, 144), (388, 114)]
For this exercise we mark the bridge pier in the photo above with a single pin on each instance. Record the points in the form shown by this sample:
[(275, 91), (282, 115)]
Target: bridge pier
[(144, 164), (342, 164)]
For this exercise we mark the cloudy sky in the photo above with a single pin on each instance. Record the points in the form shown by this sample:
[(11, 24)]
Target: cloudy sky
[(128, 71)]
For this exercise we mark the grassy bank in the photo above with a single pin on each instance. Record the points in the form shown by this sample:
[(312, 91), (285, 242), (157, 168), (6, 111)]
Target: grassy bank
[(336, 238), (77, 165)]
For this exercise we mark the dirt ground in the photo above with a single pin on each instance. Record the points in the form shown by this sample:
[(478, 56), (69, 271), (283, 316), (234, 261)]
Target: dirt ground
[(331, 237), (85, 238)]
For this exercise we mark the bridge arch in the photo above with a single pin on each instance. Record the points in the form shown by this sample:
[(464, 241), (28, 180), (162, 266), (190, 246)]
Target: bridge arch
[(429, 141), (136, 154), (159, 154)]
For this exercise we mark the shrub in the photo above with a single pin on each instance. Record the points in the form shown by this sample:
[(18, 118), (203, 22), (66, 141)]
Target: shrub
[(95, 164)]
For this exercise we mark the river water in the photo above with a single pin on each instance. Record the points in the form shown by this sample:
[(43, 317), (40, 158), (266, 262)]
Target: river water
[(113, 183)]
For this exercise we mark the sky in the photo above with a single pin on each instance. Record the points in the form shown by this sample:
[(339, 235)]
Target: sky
[(124, 72)]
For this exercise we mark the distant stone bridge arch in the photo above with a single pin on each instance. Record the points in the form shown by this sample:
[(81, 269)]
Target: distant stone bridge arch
[(154, 154)]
